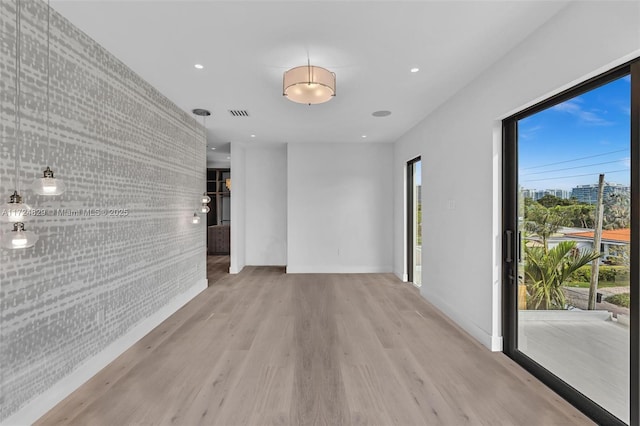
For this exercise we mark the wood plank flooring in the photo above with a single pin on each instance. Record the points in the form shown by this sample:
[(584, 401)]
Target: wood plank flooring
[(217, 268), (266, 348)]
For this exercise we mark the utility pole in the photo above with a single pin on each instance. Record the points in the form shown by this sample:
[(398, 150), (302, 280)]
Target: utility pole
[(597, 238)]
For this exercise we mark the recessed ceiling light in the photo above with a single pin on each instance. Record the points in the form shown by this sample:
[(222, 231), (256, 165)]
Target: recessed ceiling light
[(415, 69), (199, 66), (213, 148), (228, 158), (381, 113), (364, 136), (253, 136)]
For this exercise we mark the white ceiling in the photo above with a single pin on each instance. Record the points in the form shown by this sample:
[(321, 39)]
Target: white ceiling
[(246, 46)]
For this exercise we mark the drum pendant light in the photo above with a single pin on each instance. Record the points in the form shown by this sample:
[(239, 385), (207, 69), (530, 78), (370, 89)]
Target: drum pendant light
[(309, 84)]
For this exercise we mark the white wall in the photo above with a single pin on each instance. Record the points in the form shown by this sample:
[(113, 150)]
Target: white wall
[(340, 214), (218, 164), (238, 208), (266, 205), (460, 145)]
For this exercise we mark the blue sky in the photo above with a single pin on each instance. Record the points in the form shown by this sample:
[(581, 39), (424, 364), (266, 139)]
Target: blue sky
[(571, 143)]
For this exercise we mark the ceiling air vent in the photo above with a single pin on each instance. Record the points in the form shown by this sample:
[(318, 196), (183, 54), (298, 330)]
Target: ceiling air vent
[(239, 112)]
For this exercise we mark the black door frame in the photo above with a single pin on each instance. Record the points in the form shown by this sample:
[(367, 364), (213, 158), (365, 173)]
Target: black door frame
[(409, 207), (511, 249)]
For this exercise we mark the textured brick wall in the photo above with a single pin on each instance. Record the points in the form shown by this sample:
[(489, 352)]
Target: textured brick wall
[(117, 143)]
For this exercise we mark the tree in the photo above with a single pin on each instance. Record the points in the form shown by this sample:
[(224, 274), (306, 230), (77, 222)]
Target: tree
[(571, 212), (542, 222), (546, 270), (579, 215), (549, 200), (617, 211)]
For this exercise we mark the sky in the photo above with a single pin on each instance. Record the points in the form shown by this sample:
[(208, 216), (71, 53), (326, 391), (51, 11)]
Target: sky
[(573, 142)]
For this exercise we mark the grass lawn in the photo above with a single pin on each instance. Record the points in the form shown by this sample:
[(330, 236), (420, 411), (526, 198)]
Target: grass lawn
[(601, 284)]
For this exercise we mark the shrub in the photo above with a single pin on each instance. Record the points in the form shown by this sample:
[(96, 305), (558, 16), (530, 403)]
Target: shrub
[(605, 273), (581, 275), (621, 299)]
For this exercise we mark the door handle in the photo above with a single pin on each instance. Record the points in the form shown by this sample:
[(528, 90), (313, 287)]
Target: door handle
[(519, 242)]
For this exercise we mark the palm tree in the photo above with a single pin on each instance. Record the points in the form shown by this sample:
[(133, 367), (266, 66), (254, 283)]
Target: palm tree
[(546, 271)]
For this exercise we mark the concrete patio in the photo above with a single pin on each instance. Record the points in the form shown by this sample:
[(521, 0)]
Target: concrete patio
[(587, 349)]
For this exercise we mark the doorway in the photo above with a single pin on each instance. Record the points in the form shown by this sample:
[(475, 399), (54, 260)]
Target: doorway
[(414, 221), (218, 223), (571, 244), (219, 216)]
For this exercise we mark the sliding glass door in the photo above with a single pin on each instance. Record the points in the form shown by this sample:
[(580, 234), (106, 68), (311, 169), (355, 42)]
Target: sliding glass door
[(414, 221), (571, 243)]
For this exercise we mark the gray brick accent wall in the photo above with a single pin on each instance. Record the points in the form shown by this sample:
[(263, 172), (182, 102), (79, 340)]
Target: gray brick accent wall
[(118, 144)]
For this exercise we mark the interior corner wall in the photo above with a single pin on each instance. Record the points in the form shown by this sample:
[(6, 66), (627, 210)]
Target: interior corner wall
[(339, 211), (238, 207), (460, 144), (118, 247), (218, 165), (266, 205)]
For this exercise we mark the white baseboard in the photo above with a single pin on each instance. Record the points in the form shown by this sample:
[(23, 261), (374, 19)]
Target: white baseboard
[(338, 269), (401, 276), (44, 402), (493, 343), (236, 269), (496, 343)]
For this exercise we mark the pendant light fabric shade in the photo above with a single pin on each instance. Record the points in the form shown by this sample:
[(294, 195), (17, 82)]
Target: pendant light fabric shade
[(19, 238), (309, 85)]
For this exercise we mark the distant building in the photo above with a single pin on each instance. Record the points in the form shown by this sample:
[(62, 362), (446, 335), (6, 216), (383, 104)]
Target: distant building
[(539, 194), (609, 239), (536, 194), (528, 193), (584, 240), (589, 193), (560, 193)]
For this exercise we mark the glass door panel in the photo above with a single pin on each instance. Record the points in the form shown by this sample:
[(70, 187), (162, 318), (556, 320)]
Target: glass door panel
[(414, 208), (573, 242)]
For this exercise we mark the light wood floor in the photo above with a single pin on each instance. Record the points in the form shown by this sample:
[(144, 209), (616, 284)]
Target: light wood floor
[(266, 348), (217, 268)]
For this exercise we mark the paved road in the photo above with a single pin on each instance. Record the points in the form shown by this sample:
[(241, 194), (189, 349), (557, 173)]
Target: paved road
[(579, 297)]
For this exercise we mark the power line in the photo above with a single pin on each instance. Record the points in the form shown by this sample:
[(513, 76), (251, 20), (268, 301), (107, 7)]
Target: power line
[(575, 159), (576, 167), (586, 174)]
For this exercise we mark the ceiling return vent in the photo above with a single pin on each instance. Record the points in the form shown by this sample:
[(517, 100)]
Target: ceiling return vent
[(239, 112)]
